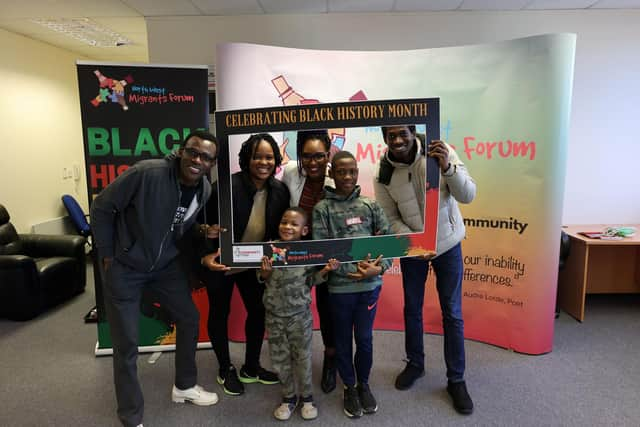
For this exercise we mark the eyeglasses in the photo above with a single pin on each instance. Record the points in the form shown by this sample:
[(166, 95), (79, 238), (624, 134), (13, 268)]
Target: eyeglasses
[(318, 157), (193, 153)]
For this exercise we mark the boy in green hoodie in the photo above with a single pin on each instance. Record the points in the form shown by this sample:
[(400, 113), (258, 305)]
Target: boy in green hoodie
[(354, 288)]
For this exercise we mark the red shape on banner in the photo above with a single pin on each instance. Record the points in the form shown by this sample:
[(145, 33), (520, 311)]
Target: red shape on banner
[(358, 96)]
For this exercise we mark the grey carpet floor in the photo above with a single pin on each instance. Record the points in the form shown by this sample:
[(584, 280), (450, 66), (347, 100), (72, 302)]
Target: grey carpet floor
[(50, 377)]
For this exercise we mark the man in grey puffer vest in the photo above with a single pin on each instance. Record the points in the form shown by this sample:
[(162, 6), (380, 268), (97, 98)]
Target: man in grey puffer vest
[(400, 190)]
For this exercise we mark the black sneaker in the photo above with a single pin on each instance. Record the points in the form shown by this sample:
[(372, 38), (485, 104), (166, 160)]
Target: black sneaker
[(461, 400), (261, 376), (368, 402), (352, 407), (229, 381), (328, 381), (408, 376)]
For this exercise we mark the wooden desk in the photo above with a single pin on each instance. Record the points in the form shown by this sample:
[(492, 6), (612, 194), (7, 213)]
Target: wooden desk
[(597, 266)]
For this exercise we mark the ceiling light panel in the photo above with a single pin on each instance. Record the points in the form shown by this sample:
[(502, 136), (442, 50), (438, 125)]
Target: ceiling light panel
[(85, 31)]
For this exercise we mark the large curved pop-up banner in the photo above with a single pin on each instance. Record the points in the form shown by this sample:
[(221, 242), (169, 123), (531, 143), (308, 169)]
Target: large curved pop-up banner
[(504, 107)]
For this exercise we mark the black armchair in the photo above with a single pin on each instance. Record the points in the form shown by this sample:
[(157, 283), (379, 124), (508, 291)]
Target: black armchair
[(37, 271)]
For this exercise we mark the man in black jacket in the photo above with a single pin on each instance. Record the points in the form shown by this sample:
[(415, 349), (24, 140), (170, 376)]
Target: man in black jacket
[(137, 221)]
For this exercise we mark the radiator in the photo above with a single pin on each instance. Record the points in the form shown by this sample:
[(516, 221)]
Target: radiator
[(62, 225)]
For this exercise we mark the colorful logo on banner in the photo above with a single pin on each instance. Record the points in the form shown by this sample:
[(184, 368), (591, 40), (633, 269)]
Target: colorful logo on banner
[(111, 90), (284, 254), (290, 97), (279, 254)]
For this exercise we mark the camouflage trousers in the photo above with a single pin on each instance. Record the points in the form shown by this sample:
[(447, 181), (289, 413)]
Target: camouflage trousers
[(290, 350)]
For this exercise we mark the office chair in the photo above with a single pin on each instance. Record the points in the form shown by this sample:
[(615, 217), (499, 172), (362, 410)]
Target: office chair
[(80, 223), (77, 215)]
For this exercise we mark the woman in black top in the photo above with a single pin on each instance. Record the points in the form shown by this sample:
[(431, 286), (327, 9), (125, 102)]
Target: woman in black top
[(259, 200)]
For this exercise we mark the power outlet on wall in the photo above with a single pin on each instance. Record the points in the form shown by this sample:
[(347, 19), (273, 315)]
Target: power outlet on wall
[(67, 173)]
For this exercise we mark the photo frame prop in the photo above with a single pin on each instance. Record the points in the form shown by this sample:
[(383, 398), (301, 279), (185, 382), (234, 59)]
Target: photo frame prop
[(233, 124)]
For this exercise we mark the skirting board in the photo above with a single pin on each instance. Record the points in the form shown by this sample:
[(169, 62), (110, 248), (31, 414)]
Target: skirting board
[(148, 348)]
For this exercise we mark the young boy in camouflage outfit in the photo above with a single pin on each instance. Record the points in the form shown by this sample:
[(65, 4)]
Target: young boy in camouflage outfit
[(354, 288), (288, 319)]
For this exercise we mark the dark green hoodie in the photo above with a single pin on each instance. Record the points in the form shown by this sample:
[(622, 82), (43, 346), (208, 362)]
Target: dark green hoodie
[(338, 216)]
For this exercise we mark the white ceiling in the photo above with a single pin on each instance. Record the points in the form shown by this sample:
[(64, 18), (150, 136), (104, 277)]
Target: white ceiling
[(127, 17)]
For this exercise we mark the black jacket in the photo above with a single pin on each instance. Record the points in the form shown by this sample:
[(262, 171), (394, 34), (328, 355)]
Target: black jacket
[(132, 218), (243, 190)]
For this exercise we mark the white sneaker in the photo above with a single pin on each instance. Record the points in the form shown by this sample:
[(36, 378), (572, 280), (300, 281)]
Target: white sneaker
[(196, 395), (286, 409), (309, 411)]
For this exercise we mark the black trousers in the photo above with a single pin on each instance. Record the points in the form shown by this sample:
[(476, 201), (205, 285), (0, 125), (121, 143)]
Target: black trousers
[(123, 288), (324, 313), (219, 291)]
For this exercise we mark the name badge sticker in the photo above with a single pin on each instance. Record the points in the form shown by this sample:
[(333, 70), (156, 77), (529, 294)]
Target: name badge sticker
[(356, 220)]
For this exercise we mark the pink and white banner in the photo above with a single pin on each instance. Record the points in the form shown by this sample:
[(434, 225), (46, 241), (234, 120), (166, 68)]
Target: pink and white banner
[(504, 107)]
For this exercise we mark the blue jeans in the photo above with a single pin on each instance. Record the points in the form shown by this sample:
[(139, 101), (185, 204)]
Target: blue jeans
[(448, 268), (353, 316)]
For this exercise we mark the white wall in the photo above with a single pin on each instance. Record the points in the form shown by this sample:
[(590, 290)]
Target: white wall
[(603, 152), (40, 131)]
